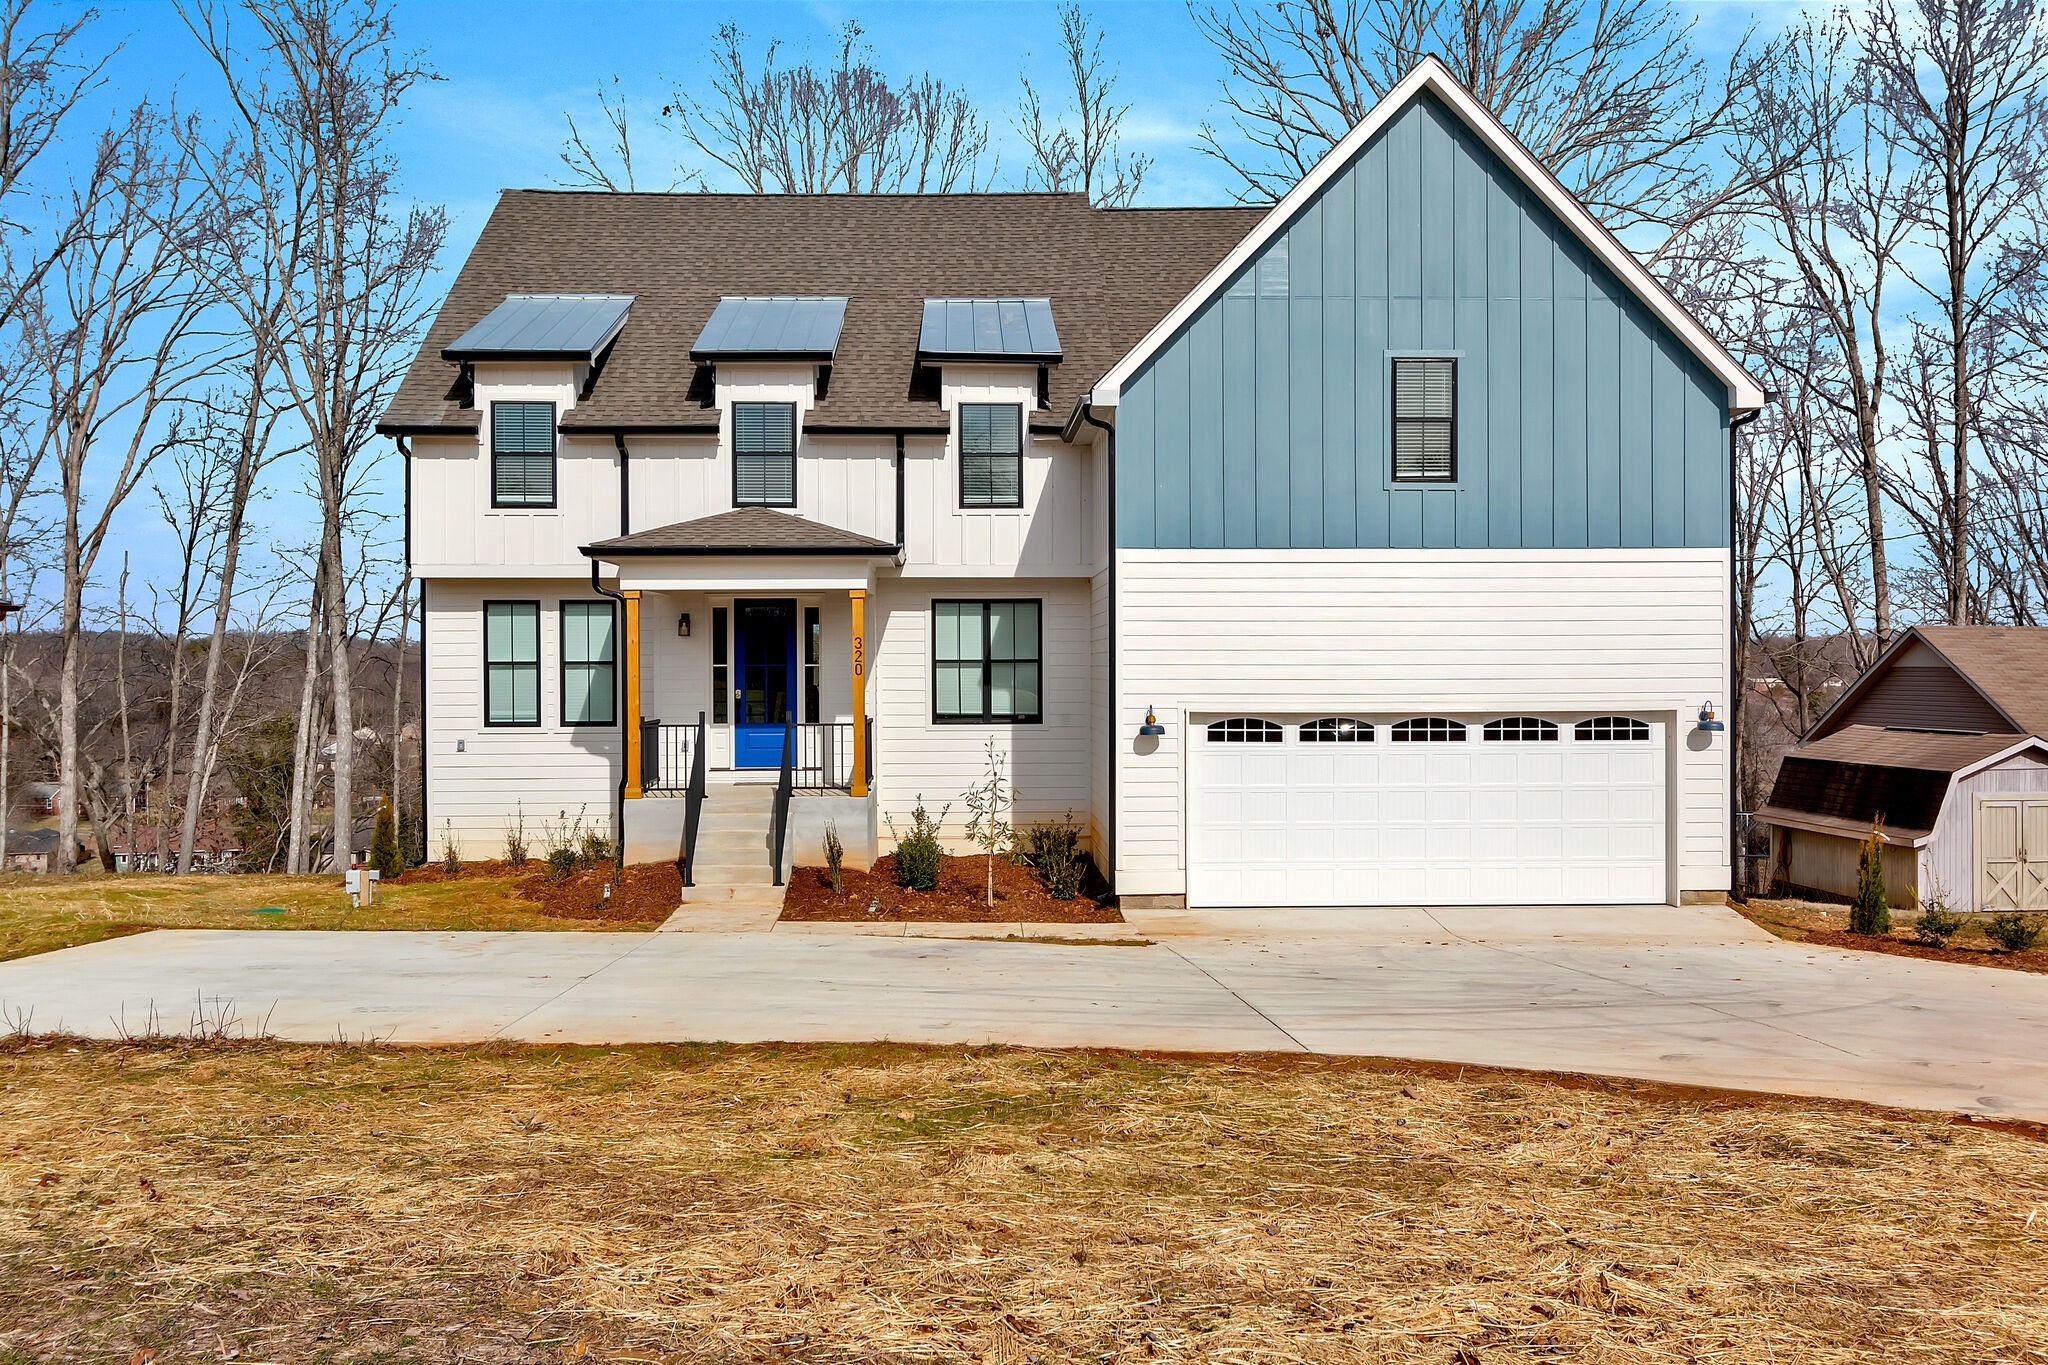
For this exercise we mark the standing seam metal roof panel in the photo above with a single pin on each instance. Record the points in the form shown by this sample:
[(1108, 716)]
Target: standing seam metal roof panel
[(544, 325), (772, 325), (992, 328)]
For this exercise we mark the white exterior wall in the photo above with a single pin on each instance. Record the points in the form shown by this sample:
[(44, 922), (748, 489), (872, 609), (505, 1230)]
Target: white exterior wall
[(914, 756), (1639, 632), (479, 776), (1950, 856)]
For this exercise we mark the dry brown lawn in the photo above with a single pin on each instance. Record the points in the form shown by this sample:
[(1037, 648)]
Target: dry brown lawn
[(813, 1204)]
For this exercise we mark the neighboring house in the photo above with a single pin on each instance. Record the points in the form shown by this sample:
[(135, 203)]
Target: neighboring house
[(1371, 548), (43, 799), (31, 850), (1939, 744)]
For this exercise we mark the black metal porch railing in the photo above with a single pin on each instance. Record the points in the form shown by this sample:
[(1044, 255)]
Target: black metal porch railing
[(821, 755), (693, 803), (665, 755), (783, 783)]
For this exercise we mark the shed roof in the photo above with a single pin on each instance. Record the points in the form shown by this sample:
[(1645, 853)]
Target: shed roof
[(1866, 773), (988, 329), (791, 326), (544, 326), (744, 531), (2008, 664)]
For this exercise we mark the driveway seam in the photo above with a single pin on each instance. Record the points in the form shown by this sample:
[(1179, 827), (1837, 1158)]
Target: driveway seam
[(1218, 982), (1643, 989), (578, 983)]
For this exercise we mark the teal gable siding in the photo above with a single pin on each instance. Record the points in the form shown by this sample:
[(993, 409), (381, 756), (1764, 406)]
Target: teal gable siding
[(1583, 422)]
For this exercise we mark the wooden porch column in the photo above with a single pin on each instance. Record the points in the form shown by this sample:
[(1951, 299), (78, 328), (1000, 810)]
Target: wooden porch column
[(858, 597), (631, 719)]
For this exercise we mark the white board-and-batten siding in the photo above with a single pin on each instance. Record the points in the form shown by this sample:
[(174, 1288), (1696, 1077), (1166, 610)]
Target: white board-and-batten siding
[(1462, 632), (539, 773)]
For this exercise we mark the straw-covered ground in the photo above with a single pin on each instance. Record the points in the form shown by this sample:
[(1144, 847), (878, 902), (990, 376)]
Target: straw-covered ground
[(180, 1202), (42, 913)]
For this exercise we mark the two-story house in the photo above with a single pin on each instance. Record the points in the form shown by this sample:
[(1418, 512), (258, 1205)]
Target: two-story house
[(1370, 548)]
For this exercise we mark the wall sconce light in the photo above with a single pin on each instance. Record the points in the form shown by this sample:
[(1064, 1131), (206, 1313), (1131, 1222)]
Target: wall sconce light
[(683, 625), (1707, 721), (1151, 727)]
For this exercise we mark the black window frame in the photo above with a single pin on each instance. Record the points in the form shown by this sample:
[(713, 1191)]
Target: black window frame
[(554, 455), (813, 663), (988, 716), (563, 661), (1396, 421), (795, 437), (721, 665), (489, 664), (1016, 409)]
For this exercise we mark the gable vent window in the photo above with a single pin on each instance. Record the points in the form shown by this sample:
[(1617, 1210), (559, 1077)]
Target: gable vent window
[(1611, 729), (1514, 728), (522, 454), (991, 455), (1425, 420), (764, 454), (1337, 730), (1243, 731), (1428, 730)]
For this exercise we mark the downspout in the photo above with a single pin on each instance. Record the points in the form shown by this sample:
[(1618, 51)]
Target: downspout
[(1087, 414), (426, 824), (899, 495), (1738, 647), (619, 797), (625, 485)]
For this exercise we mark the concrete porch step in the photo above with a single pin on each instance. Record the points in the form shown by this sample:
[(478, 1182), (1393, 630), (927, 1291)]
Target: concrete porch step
[(717, 873)]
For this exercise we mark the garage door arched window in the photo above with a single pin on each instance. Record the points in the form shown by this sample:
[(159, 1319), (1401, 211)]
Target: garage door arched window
[(1337, 730), (1611, 730), (1521, 728), (1428, 730), (1243, 730)]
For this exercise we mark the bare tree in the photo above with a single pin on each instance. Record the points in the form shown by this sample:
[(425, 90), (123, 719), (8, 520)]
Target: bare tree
[(608, 168), (314, 102), (113, 325), (1080, 147), (1609, 94), (43, 78), (805, 129), (1962, 85)]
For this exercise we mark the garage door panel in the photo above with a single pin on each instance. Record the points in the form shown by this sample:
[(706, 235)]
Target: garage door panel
[(1473, 822)]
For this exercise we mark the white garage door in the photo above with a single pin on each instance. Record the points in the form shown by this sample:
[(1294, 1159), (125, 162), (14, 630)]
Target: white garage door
[(1426, 810)]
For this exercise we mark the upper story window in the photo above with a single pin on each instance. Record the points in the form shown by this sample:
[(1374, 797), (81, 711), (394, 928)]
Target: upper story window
[(511, 663), (764, 454), (1425, 419), (991, 455), (522, 454)]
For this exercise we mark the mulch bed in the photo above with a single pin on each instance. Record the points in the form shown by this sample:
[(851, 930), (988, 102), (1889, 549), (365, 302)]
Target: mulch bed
[(960, 896), (2030, 960), (641, 893)]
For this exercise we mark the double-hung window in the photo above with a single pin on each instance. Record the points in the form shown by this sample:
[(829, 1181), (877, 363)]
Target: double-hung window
[(991, 455), (511, 663), (986, 661), (1425, 419), (589, 687), (764, 454), (522, 454)]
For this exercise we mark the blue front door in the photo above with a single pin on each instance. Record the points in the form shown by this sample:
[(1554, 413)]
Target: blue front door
[(764, 659)]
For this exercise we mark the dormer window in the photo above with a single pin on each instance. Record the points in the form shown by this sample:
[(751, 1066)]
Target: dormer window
[(764, 454), (522, 454), (991, 455)]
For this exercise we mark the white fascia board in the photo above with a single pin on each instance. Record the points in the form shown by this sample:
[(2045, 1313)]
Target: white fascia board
[(1744, 393)]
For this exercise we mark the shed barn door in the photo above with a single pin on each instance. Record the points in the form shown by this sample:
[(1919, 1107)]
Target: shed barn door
[(2012, 855)]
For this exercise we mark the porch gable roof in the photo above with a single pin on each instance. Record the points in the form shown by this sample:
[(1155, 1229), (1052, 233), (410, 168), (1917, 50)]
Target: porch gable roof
[(743, 531)]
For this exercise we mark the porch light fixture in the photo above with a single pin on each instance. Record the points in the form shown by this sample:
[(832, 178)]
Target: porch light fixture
[(1707, 721), (683, 625), (1151, 728)]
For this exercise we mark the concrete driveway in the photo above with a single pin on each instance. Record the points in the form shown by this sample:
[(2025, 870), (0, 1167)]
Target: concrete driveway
[(1695, 996)]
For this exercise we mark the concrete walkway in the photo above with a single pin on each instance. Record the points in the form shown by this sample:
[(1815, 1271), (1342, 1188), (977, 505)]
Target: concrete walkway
[(1694, 996)]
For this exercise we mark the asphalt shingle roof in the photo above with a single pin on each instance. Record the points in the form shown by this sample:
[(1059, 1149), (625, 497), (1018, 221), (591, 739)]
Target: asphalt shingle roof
[(1110, 274), (2008, 664), (745, 530)]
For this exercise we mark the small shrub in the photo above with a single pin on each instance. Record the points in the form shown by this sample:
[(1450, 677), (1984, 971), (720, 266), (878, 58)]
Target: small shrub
[(987, 801), (451, 852), (595, 850), (2013, 931), (562, 844), (918, 853), (561, 864), (1937, 924), (384, 855), (515, 838), (835, 854), (1052, 849), (1871, 913)]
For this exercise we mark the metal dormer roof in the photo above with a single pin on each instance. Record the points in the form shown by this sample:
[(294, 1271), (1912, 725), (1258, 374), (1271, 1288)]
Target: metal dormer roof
[(989, 329), (774, 326), (544, 327)]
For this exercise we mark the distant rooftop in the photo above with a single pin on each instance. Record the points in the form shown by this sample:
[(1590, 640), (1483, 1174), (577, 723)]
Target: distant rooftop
[(545, 327), (782, 326), (988, 329)]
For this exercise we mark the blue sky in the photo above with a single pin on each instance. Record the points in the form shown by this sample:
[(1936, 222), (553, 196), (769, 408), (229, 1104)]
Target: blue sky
[(510, 70)]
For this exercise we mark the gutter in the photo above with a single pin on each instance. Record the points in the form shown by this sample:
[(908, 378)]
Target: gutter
[(1084, 412), (625, 485), (1738, 648), (618, 680)]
